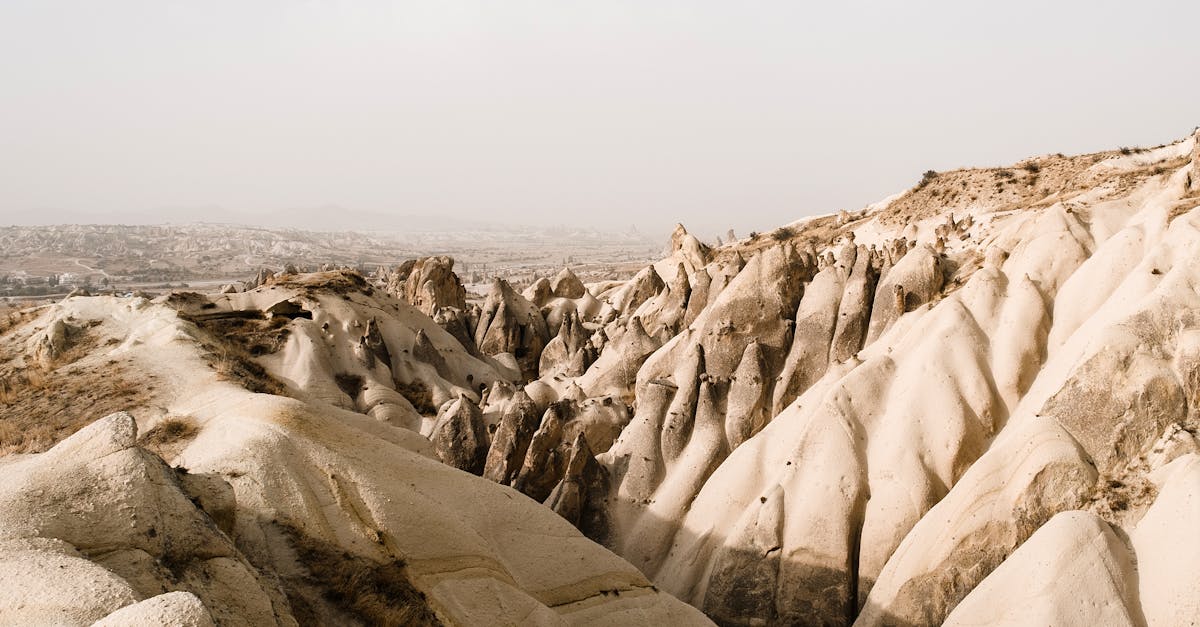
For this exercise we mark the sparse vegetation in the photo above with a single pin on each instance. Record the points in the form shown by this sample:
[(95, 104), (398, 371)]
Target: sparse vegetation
[(237, 338), (169, 434), (43, 403), (419, 395), (235, 364), (783, 233), (351, 384), (928, 177), (335, 281), (40, 408), (251, 329), (370, 592)]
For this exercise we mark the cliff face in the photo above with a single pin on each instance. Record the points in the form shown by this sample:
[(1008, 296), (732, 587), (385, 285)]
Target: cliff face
[(872, 411), (974, 403)]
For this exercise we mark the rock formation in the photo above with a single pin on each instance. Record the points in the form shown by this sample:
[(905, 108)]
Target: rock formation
[(973, 403), (429, 284), (460, 436), (508, 323)]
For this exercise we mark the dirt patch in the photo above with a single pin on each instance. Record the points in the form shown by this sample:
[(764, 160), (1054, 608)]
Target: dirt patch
[(334, 582), (232, 341), (819, 233), (1182, 207)]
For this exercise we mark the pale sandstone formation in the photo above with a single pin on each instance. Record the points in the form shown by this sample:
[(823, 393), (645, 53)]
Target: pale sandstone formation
[(129, 520), (460, 436), (512, 438), (646, 284), (429, 284), (566, 285), (509, 323), (928, 411), (896, 471), (275, 476)]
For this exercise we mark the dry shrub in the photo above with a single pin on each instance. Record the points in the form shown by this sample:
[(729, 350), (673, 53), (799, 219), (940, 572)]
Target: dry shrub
[(169, 431), (419, 395), (351, 384), (370, 592), (256, 334), (236, 365)]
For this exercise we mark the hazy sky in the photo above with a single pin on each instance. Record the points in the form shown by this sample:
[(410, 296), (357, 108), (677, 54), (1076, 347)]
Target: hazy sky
[(744, 114)]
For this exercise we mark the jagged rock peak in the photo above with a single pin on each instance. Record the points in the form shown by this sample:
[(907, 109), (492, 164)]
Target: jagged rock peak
[(567, 285), (695, 252)]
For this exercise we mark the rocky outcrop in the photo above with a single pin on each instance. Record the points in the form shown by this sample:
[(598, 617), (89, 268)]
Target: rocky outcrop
[(617, 367), (373, 344), (689, 250), (429, 284), (546, 461), (52, 343), (566, 285), (511, 440), (854, 310), (914, 279), (1074, 570), (580, 496), (745, 413), (646, 284), (570, 352), (511, 324), (816, 320), (665, 313), (134, 534), (460, 436)]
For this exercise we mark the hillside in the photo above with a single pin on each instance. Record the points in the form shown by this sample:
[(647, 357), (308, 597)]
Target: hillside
[(975, 402)]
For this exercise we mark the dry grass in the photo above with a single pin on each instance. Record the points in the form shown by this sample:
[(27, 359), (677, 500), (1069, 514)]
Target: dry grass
[(351, 384), (39, 408), (419, 395), (168, 436), (14, 315), (369, 592), (43, 403), (236, 338), (235, 364), (251, 330)]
